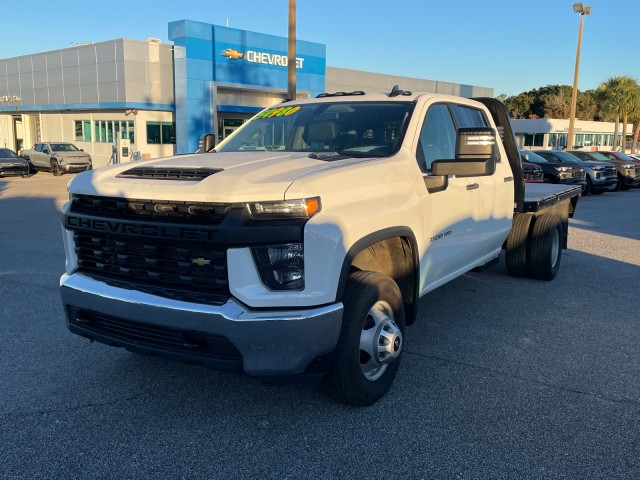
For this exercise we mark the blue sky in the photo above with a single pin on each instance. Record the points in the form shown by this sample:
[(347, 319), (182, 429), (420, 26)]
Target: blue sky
[(509, 45)]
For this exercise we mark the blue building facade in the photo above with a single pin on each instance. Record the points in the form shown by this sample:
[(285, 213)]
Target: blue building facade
[(224, 75)]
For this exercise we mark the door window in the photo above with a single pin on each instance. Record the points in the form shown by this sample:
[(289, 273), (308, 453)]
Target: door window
[(437, 137), (468, 117)]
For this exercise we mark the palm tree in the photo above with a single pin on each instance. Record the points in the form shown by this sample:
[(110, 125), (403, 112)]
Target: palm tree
[(619, 97)]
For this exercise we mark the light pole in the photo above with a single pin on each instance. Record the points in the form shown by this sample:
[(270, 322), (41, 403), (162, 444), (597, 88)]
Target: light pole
[(291, 77), (582, 11)]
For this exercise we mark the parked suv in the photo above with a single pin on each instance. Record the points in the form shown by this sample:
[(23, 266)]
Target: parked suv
[(600, 176), (58, 157), (628, 168), (556, 172), (531, 172)]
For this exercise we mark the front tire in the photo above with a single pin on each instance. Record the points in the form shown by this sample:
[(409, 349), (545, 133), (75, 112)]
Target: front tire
[(55, 168), (621, 184), (370, 346), (588, 189), (546, 247)]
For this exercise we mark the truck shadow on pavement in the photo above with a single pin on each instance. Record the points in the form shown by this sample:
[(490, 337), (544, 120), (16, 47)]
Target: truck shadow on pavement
[(493, 363)]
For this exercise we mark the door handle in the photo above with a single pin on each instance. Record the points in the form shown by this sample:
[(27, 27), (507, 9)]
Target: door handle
[(508, 179), (473, 186)]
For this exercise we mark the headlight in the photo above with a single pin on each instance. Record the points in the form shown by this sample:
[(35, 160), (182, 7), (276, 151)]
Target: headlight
[(628, 165), (300, 208), (598, 168), (281, 267), (563, 169)]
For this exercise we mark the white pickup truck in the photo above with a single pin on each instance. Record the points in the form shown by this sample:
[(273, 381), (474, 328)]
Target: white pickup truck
[(298, 249)]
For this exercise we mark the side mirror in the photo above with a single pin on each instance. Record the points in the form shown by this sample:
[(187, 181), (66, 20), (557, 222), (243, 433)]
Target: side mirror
[(207, 143), (45, 150), (476, 154)]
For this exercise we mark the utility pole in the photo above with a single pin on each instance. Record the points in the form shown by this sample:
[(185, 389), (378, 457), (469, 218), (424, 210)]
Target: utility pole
[(291, 78)]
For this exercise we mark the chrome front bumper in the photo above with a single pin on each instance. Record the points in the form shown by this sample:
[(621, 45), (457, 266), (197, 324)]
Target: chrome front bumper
[(271, 343)]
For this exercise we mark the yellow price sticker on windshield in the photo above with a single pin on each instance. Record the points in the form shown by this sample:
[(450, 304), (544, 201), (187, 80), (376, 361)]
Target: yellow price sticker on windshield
[(277, 112)]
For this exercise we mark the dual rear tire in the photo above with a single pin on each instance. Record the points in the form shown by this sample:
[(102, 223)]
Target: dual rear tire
[(534, 246)]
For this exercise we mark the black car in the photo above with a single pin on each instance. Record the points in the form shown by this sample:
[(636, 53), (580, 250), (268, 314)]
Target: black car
[(557, 172), (600, 175), (11, 164)]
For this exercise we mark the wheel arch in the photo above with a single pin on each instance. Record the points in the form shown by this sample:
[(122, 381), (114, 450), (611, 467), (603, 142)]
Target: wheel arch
[(393, 252)]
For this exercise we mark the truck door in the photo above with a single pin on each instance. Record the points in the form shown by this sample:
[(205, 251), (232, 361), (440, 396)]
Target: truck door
[(37, 157), (494, 199), (458, 212)]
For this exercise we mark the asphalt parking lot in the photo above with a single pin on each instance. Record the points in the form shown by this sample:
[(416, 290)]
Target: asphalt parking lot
[(501, 377)]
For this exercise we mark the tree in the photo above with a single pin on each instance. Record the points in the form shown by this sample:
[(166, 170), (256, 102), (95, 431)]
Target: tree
[(519, 106), (557, 105), (619, 97)]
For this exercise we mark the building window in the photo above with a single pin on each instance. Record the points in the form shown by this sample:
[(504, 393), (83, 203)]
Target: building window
[(110, 130), (161, 132), (83, 130), (557, 140), (533, 140)]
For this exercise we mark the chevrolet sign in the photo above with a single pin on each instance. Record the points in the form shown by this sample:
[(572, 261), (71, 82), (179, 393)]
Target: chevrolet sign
[(232, 54), (252, 56)]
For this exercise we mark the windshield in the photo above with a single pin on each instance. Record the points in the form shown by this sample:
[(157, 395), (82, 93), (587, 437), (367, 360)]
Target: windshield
[(6, 153), (625, 157), (528, 156), (598, 156), (64, 147), (355, 129), (566, 157)]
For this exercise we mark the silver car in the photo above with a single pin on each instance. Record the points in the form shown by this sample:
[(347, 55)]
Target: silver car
[(58, 157)]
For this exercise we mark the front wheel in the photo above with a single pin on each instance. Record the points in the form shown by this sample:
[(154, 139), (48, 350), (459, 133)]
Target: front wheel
[(55, 168), (368, 353), (621, 184)]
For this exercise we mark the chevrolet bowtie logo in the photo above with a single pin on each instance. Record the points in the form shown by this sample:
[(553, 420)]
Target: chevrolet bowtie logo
[(233, 54), (201, 262)]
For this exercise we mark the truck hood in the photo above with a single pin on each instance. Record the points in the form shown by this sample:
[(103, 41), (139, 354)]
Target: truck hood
[(223, 177)]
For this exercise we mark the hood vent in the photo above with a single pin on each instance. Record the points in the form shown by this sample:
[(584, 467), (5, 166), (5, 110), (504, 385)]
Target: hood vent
[(189, 174)]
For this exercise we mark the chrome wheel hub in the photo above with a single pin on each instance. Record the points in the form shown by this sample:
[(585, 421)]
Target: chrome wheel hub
[(380, 341)]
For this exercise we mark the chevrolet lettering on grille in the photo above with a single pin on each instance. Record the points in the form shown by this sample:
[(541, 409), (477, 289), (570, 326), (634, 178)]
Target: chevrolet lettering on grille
[(137, 229)]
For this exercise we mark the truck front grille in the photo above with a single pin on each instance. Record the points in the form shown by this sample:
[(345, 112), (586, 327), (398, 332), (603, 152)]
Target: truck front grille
[(164, 267), (533, 175), (610, 171), (177, 212)]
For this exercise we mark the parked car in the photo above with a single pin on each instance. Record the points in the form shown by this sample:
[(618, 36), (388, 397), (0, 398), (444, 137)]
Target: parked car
[(531, 172), (628, 168), (600, 175), (11, 164), (556, 172), (57, 157)]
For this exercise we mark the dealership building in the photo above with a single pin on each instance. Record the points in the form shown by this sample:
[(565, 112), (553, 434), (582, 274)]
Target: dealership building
[(553, 133), (161, 97)]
